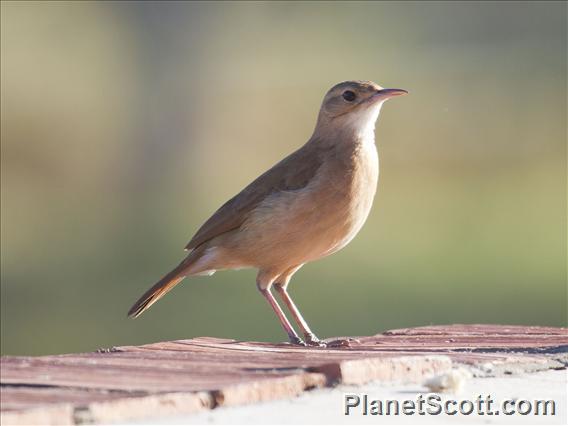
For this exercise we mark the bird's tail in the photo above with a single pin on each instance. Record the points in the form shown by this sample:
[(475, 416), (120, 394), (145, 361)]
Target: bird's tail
[(169, 281)]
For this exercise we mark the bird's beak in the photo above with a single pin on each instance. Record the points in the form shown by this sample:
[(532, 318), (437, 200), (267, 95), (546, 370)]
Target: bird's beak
[(385, 94)]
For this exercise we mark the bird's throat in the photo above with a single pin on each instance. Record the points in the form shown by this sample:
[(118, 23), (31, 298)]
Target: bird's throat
[(361, 124)]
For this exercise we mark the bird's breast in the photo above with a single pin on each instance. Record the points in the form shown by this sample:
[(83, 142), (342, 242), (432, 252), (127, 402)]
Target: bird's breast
[(354, 194), (309, 223)]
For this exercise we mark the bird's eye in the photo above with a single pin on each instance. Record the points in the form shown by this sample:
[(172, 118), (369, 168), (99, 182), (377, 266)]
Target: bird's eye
[(349, 96)]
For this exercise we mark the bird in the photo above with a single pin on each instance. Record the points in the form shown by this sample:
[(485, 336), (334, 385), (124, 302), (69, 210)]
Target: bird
[(307, 206)]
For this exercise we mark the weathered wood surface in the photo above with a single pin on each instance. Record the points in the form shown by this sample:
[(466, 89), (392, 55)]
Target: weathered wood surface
[(189, 375)]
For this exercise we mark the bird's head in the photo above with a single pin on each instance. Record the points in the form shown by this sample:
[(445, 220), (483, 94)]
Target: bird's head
[(354, 106)]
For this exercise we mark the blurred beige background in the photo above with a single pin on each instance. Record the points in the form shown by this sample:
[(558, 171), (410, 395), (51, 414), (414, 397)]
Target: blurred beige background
[(125, 125)]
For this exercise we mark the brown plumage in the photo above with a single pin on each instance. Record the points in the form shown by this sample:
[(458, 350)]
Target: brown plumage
[(307, 206), (292, 173), (168, 281)]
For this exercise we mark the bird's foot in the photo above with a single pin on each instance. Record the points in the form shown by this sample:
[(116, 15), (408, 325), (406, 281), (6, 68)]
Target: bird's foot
[(341, 343), (312, 340), (295, 340)]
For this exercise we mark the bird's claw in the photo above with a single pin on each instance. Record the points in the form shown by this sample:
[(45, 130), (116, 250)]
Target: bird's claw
[(341, 343), (312, 340), (295, 340)]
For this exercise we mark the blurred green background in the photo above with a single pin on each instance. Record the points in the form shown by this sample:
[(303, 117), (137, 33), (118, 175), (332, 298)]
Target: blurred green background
[(125, 125)]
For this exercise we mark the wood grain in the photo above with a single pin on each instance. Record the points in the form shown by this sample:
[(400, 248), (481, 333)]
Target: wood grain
[(185, 376)]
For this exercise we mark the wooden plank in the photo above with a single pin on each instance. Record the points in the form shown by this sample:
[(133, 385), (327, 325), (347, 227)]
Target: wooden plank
[(164, 404), (60, 415), (189, 375), (21, 397), (266, 390), (401, 368), (479, 329)]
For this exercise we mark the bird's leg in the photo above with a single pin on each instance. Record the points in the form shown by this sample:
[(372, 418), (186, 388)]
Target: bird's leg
[(294, 338), (311, 338)]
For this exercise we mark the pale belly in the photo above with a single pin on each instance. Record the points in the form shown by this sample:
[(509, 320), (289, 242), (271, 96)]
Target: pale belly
[(295, 227)]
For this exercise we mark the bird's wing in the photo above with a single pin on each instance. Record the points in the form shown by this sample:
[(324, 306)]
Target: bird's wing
[(293, 172)]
